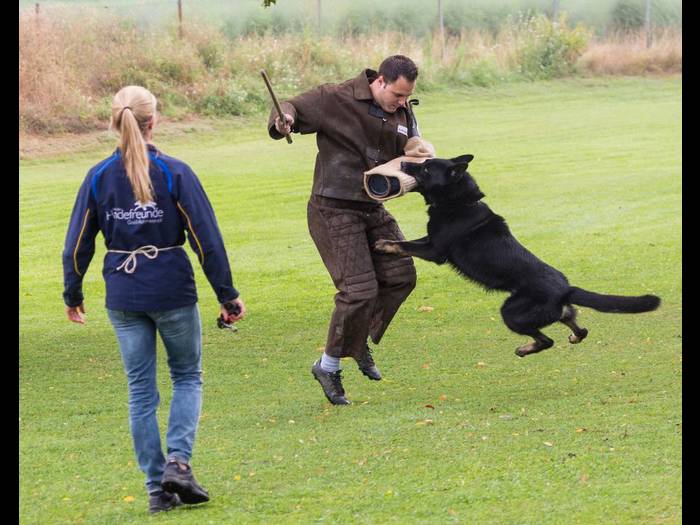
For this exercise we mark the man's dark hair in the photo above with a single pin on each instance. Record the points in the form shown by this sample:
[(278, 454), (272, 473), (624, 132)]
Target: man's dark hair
[(397, 66)]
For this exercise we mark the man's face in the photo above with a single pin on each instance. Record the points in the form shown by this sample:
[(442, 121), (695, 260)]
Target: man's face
[(392, 96)]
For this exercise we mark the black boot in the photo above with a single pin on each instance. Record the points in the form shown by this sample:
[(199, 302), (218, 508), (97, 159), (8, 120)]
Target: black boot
[(160, 501), (181, 481), (367, 366), (331, 384)]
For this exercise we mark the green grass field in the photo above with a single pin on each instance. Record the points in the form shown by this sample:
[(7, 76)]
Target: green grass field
[(588, 175)]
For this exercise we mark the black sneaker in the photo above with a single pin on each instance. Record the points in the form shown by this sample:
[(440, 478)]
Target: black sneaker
[(181, 481), (367, 366), (162, 501), (331, 384)]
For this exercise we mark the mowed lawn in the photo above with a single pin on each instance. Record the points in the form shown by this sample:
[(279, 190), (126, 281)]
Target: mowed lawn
[(587, 173)]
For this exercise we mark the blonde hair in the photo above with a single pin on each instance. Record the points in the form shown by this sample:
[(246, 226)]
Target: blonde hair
[(133, 109)]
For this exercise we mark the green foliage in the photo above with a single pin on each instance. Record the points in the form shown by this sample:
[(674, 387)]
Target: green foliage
[(459, 17), (104, 108), (421, 19), (229, 97), (173, 104), (484, 74), (417, 17), (226, 98), (406, 21), (274, 22), (481, 73), (485, 15), (175, 71), (358, 20), (263, 23), (627, 15), (549, 50), (212, 54), (67, 63)]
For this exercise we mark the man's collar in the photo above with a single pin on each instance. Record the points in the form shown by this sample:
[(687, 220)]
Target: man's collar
[(360, 85), (376, 111)]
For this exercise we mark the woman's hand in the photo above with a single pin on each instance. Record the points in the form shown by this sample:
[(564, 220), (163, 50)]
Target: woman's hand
[(76, 314), (230, 318)]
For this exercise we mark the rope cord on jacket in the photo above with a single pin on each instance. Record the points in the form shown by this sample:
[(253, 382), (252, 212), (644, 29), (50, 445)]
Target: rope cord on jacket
[(150, 251)]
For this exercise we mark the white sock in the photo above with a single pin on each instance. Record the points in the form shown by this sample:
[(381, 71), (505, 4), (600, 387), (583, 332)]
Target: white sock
[(330, 364)]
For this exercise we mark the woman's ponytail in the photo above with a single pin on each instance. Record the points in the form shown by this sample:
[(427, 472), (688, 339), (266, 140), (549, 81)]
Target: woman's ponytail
[(133, 109)]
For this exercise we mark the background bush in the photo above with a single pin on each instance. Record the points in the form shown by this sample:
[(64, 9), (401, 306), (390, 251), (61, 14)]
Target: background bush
[(548, 50), (72, 61)]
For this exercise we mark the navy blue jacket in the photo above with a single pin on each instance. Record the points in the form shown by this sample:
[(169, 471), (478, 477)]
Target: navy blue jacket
[(106, 203)]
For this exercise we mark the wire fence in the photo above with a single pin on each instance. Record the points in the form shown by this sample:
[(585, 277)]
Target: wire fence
[(416, 17)]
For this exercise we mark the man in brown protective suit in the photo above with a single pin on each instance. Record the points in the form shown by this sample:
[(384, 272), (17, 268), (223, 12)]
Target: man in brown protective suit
[(359, 124)]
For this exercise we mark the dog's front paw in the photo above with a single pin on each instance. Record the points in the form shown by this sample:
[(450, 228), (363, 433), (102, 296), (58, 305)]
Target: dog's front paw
[(384, 246)]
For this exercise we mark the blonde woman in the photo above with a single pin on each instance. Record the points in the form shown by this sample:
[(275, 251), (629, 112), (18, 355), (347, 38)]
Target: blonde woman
[(144, 202)]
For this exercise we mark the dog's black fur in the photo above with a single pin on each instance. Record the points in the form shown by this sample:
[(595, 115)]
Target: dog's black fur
[(465, 233)]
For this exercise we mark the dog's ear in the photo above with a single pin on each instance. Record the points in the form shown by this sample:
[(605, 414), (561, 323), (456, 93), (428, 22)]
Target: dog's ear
[(460, 164), (462, 160)]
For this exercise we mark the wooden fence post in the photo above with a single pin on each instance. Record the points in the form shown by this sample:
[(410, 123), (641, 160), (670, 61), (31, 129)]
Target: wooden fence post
[(179, 17), (441, 20), (647, 22)]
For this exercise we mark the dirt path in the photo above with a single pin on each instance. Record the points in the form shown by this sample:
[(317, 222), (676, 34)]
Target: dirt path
[(41, 146)]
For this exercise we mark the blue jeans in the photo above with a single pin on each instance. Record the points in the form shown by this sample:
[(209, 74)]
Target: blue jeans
[(181, 332)]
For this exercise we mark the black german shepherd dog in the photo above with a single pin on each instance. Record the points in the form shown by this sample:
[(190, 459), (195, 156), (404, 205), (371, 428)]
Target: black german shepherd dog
[(478, 244)]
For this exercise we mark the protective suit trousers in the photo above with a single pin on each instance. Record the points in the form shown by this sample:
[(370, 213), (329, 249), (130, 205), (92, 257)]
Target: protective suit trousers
[(371, 286)]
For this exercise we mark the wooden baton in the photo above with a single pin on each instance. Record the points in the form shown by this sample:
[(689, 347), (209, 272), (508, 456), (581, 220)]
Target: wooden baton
[(277, 104)]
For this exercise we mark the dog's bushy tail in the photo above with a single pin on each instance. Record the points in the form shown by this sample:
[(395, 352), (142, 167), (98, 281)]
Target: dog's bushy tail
[(621, 304)]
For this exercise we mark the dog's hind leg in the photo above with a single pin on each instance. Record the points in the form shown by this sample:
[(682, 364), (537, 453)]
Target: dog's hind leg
[(541, 342), (525, 316), (568, 317)]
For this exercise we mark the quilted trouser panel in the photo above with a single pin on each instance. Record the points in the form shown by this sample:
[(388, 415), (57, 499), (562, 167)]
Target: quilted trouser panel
[(396, 276), (371, 286)]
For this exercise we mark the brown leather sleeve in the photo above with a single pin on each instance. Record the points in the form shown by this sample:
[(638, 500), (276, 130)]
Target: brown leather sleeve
[(307, 110)]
